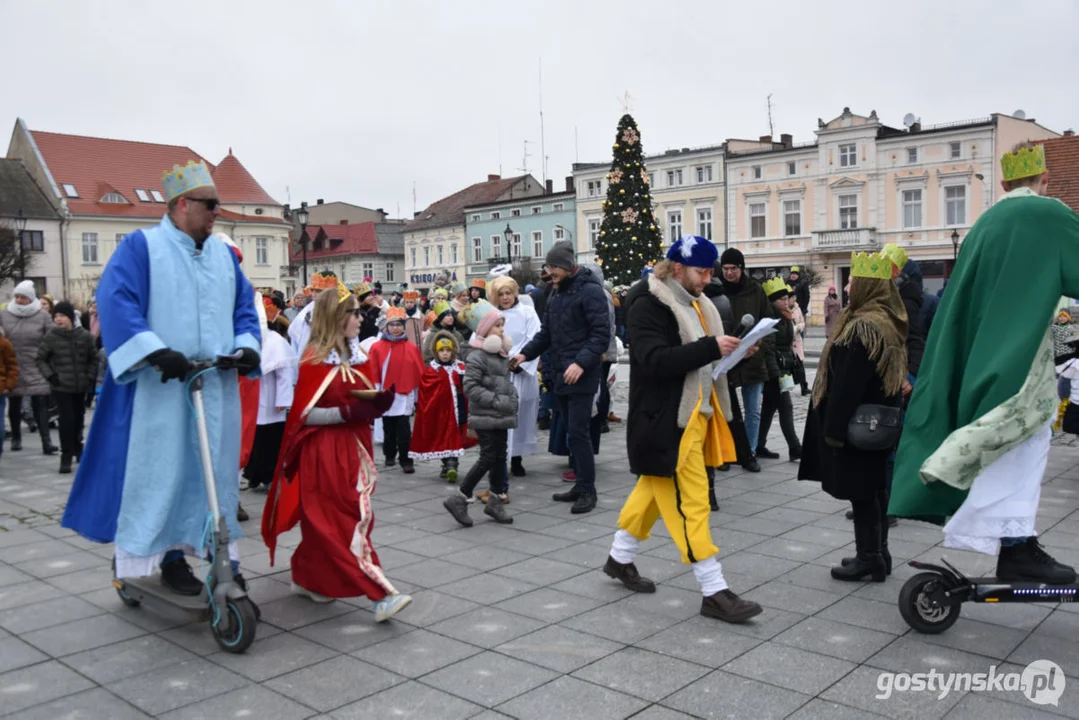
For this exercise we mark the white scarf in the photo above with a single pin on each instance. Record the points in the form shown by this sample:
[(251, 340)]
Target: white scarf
[(26, 289)]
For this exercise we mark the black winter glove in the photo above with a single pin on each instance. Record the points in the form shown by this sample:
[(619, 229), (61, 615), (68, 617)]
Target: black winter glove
[(171, 364), (248, 363)]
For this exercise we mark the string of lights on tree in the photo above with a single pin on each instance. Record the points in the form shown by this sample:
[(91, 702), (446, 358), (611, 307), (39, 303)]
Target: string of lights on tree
[(628, 238)]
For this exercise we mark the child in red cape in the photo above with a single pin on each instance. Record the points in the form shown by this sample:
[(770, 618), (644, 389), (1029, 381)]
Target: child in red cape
[(442, 411), (397, 362)]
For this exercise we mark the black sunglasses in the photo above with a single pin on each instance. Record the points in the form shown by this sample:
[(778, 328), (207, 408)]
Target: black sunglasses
[(210, 203), (358, 312)]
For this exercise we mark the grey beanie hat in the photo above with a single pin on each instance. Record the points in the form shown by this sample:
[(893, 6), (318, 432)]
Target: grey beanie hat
[(562, 255)]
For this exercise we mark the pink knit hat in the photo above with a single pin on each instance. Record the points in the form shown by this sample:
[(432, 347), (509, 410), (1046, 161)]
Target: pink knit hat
[(489, 321)]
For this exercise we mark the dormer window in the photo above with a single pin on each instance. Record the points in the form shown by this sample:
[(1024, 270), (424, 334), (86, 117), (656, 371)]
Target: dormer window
[(142, 195), (157, 196), (115, 198), (70, 190)]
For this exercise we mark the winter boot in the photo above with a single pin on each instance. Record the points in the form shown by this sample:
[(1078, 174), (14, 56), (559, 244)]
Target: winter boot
[(1029, 562), (457, 504), (65, 464), (517, 468), (868, 561), (497, 511)]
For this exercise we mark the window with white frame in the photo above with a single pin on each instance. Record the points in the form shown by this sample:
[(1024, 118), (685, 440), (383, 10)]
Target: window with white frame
[(537, 209), (674, 178), (477, 249), (496, 246), (427, 256), (674, 226), (848, 212), (389, 272), (496, 215), (113, 198), (453, 253), (557, 207), (955, 204), (515, 212), (515, 245), (593, 233), (412, 256), (704, 174), (757, 172), (792, 217), (476, 217), (912, 156), (594, 188), (537, 243), (368, 269), (159, 198), (704, 222), (441, 261), (792, 167), (70, 190), (848, 155), (955, 150), (559, 233), (262, 251), (912, 208), (757, 227), (89, 248), (142, 195)]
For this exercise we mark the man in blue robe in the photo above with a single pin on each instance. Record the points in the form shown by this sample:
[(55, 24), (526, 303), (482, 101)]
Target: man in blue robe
[(169, 295)]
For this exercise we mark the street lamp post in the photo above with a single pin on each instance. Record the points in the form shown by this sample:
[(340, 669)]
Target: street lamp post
[(508, 234), (301, 217), (955, 250), (20, 226)]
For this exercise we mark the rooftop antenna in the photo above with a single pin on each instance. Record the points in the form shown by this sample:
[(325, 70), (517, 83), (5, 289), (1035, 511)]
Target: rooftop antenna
[(771, 132), (414, 198), (500, 149), (576, 148), (543, 146), (524, 159)]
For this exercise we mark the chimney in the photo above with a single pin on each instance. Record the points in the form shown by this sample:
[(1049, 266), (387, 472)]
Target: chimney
[(319, 201), (1069, 133), (786, 140), (380, 211), (492, 178), (550, 187), (415, 214), (343, 222), (569, 184), (766, 139)]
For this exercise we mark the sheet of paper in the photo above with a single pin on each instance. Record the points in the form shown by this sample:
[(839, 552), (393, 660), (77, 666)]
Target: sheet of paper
[(762, 329)]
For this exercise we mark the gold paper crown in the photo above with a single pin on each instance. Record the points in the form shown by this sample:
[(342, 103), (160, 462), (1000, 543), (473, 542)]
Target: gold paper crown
[(874, 265), (774, 285), (342, 293), (896, 254), (181, 179), (396, 314), (324, 282), (411, 295), (1028, 162), (361, 289)]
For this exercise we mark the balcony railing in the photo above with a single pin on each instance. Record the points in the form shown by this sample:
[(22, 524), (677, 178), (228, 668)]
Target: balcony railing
[(844, 239), (502, 260)]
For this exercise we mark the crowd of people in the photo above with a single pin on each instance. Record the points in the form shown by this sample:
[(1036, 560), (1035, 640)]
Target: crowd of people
[(321, 378)]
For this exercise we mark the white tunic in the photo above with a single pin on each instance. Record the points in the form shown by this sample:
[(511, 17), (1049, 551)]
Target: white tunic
[(299, 331), (278, 378), (522, 324)]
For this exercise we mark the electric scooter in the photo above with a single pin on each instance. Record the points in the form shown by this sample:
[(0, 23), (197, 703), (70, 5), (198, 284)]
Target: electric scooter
[(929, 602), (232, 615)]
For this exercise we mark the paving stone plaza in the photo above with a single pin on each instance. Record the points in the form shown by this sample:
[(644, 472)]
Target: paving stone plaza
[(519, 621)]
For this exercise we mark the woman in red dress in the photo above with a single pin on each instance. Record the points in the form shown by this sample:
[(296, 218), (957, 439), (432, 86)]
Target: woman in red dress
[(325, 476)]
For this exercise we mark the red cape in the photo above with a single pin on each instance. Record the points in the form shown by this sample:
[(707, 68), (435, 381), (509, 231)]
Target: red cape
[(437, 433), (404, 369), (249, 406)]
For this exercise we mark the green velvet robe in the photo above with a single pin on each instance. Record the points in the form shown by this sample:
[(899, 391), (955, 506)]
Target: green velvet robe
[(986, 343)]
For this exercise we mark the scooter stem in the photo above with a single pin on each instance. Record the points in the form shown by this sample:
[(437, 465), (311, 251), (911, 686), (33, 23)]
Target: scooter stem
[(204, 451)]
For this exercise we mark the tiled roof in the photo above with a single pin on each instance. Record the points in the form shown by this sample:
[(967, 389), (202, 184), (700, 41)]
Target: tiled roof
[(235, 184), (18, 191), (358, 239), (1062, 159), (92, 164), (449, 210)]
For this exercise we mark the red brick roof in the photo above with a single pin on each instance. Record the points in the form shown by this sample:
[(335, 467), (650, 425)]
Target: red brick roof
[(94, 165), (450, 210), (358, 239), (1062, 159)]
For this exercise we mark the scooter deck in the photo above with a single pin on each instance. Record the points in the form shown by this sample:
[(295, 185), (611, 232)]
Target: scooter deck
[(152, 593), (992, 590)]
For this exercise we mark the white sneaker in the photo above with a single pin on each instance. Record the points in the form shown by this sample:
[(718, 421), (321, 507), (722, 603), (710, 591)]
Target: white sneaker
[(314, 596), (390, 605)]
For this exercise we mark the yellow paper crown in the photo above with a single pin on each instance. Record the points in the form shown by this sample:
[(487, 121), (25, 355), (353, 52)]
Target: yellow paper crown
[(1028, 162), (774, 285), (342, 293), (181, 179), (361, 289), (874, 265), (896, 254)]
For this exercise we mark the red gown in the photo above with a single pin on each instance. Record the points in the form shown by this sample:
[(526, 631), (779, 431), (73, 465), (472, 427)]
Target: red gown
[(325, 478)]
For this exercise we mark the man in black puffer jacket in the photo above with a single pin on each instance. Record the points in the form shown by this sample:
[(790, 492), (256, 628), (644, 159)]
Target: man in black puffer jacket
[(577, 329)]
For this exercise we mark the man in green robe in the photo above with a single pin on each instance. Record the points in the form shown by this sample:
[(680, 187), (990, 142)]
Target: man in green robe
[(976, 439)]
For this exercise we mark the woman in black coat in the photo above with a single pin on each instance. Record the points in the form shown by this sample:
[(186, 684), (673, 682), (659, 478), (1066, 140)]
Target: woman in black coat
[(864, 362), (775, 399)]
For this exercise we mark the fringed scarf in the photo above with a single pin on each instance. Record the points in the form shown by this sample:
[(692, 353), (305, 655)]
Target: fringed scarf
[(877, 319)]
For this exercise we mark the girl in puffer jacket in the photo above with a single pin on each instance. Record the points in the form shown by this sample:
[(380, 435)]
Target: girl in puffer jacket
[(492, 411)]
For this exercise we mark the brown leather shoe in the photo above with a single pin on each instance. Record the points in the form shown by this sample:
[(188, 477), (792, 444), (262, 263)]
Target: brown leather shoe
[(728, 607), (627, 574), (611, 417)]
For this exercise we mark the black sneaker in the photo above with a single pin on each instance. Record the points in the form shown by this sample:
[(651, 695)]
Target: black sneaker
[(752, 465), (765, 453), (1029, 562), (180, 578)]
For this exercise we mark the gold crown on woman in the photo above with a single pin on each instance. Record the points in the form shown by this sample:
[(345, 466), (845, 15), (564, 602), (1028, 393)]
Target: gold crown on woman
[(871, 265), (1028, 162)]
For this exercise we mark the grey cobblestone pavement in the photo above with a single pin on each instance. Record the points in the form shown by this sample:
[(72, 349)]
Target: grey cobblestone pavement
[(518, 621)]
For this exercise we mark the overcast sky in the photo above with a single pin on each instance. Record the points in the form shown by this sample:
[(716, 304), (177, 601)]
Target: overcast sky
[(356, 101)]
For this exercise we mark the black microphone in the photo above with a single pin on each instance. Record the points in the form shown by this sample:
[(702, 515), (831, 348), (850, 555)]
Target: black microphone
[(745, 326)]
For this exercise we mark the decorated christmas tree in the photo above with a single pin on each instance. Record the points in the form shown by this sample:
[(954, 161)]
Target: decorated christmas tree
[(629, 238)]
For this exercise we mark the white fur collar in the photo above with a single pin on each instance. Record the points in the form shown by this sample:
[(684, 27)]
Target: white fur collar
[(357, 356)]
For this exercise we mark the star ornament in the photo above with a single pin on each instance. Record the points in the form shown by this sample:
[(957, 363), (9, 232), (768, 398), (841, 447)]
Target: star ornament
[(688, 243)]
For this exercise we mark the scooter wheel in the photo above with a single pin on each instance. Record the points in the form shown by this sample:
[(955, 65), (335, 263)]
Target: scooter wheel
[(918, 610), (127, 599), (244, 623)]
